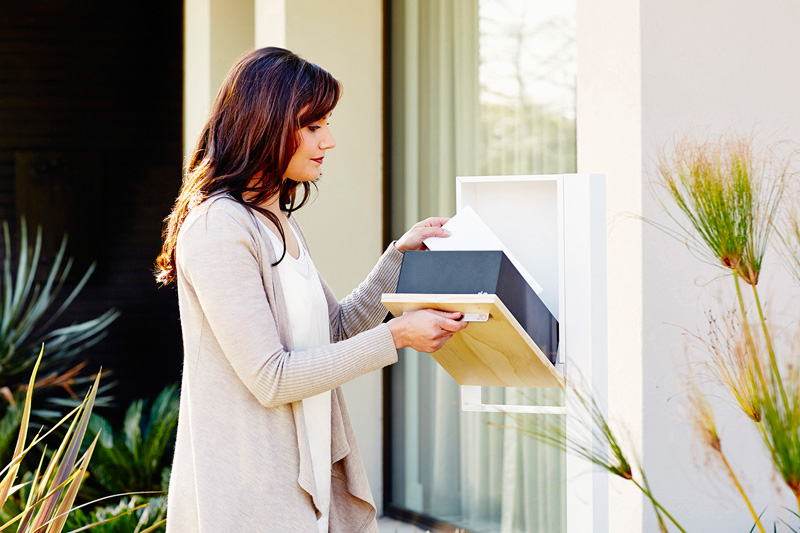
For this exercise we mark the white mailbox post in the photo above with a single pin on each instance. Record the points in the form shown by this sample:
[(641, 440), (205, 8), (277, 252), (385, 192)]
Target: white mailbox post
[(556, 226)]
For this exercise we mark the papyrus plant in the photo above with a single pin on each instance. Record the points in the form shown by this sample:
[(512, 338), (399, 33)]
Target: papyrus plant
[(790, 240), (779, 399), (705, 423), (732, 363), (730, 196)]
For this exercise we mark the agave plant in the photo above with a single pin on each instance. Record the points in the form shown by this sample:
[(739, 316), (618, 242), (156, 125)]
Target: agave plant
[(43, 500), (28, 310), (138, 457)]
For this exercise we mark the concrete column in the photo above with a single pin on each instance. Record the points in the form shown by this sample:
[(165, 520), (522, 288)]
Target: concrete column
[(609, 141), (197, 70), (216, 34), (270, 23)]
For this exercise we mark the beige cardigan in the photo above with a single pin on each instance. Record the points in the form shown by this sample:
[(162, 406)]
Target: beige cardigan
[(242, 459)]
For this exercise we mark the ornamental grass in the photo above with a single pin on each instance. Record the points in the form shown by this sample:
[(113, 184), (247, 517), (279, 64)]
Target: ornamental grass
[(52, 491), (42, 501)]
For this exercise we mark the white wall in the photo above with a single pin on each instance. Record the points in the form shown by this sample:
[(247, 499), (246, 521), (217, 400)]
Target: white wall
[(344, 223), (649, 70)]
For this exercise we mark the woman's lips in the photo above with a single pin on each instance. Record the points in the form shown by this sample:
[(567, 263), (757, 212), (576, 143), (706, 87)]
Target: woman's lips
[(318, 160)]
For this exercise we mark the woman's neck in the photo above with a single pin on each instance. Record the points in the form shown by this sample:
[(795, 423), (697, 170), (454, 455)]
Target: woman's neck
[(271, 204)]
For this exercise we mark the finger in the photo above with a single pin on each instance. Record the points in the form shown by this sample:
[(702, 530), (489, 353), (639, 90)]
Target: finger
[(440, 342), (461, 324), (435, 221), (453, 315), (451, 325), (426, 233)]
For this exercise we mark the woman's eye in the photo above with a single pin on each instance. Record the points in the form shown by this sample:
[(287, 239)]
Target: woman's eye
[(313, 128)]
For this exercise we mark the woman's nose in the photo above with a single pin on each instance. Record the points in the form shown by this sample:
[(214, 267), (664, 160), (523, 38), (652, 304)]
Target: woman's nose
[(327, 142)]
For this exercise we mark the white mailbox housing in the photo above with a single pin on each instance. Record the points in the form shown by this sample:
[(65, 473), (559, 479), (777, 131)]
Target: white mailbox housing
[(556, 226)]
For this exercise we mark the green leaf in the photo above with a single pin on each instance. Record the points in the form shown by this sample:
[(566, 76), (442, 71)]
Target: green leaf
[(141, 451), (28, 311)]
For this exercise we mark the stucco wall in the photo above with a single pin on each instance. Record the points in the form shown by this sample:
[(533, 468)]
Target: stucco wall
[(649, 70)]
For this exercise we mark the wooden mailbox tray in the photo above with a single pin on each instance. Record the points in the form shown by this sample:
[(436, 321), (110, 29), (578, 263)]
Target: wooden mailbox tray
[(498, 352)]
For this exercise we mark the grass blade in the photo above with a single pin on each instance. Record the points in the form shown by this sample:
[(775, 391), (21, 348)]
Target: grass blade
[(8, 481)]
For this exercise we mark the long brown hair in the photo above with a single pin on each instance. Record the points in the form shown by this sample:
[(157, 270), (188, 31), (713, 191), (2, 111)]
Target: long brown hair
[(249, 138)]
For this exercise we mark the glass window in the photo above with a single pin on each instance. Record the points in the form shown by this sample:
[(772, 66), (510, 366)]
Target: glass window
[(478, 87)]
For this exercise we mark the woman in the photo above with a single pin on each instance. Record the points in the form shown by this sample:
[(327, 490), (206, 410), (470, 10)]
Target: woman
[(264, 440)]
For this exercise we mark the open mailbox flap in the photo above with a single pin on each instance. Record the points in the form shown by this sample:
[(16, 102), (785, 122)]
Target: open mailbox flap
[(515, 347)]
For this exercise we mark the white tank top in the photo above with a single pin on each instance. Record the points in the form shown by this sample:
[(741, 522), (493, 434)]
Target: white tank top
[(307, 311)]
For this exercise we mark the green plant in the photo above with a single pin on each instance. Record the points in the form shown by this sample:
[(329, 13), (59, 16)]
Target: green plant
[(138, 457), (790, 238), (45, 498), (731, 199), (132, 515), (779, 398), (728, 196), (28, 310), (703, 418)]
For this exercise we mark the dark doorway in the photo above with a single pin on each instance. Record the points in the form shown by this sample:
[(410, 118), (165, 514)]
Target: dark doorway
[(90, 144)]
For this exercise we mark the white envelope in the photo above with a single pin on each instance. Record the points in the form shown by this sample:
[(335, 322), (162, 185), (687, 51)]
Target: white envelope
[(469, 232)]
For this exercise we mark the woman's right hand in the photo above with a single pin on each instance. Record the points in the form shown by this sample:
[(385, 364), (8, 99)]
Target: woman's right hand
[(425, 330)]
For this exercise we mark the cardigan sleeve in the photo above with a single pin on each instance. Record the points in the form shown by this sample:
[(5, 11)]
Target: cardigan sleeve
[(362, 309), (218, 260)]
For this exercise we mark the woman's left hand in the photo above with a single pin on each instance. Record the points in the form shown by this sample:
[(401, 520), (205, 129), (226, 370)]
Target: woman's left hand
[(413, 238)]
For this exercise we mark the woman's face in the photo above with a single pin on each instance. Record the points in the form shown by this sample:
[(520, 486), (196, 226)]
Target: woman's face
[(307, 159)]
